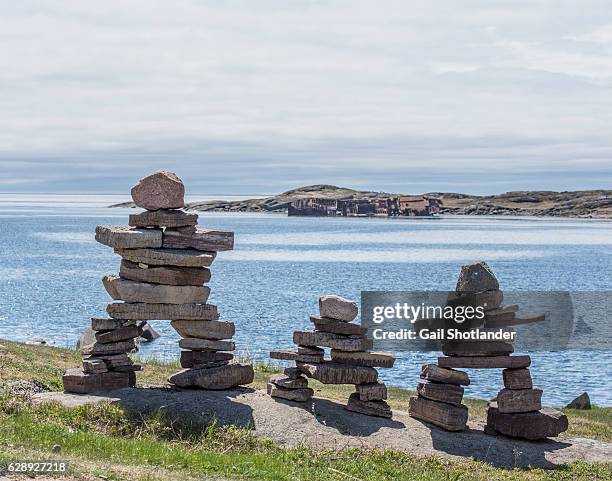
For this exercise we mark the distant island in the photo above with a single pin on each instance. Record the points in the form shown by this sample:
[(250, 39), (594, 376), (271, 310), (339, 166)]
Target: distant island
[(585, 203)]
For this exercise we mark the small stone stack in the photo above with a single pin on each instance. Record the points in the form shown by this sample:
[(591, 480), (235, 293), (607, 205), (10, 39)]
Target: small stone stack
[(351, 362), (165, 260), (517, 410)]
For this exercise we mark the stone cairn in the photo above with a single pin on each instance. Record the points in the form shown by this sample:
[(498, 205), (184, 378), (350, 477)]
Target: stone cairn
[(517, 411), (165, 260), (350, 363)]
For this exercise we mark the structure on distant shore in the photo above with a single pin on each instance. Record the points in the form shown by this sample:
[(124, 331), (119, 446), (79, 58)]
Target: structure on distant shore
[(403, 206)]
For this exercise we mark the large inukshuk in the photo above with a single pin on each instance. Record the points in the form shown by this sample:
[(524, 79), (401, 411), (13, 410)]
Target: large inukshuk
[(164, 266)]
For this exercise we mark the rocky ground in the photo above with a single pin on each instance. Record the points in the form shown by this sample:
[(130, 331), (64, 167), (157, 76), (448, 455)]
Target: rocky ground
[(589, 203)]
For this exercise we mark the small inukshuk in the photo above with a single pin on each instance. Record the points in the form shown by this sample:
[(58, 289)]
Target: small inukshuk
[(350, 363), (517, 410), (165, 264)]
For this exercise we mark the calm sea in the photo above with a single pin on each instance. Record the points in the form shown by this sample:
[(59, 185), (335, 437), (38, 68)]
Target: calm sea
[(51, 270)]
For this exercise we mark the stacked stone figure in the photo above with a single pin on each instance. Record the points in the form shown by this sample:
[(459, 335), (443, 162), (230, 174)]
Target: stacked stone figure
[(164, 266), (351, 362), (517, 410)]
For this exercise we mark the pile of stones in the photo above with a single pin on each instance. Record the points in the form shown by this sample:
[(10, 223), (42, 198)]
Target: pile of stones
[(351, 362), (517, 411), (165, 264)]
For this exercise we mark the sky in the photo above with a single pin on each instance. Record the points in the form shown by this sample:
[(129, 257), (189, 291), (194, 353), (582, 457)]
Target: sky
[(261, 96)]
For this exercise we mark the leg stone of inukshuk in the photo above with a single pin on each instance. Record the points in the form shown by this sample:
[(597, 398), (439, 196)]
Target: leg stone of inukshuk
[(350, 363), (165, 260)]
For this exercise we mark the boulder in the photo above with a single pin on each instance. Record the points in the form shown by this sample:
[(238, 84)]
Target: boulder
[(77, 381), (297, 395), (373, 391), (431, 372), (160, 190), (117, 335), (149, 312), (133, 291), (334, 373), (535, 425), (167, 275), (215, 378), (476, 278), (123, 237), (201, 239), (447, 393), (369, 408), (326, 324), (281, 380), (338, 308), (163, 218), (517, 378), (201, 358), (519, 400), (148, 332), (194, 344), (581, 402), (334, 341), (488, 362), (168, 257), (88, 338), (446, 416), (371, 359), (215, 330)]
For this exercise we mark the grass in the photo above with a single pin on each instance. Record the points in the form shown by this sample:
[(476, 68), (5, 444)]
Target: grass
[(103, 442)]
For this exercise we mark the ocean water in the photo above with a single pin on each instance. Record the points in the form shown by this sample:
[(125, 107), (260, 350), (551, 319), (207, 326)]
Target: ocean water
[(269, 285)]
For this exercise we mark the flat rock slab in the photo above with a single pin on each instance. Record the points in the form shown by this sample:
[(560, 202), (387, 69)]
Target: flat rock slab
[(77, 381), (201, 239), (446, 416), (298, 395), (195, 344), (150, 312), (99, 324), (326, 324), (477, 348), (374, 391), (134, 291), (369, 408), (515, 321), (431, 372), (290, 355), (116, 335), (159, 190), (205, 329), (485, 362), (334, 373), (540, 424), (71, 400), (200, 358), (168, 257), (124, 237), (517, 378), (110, 348), (284, 381), (167, 275), (334, 341), (325, 424), (163, 218), (447, 393), (488, 300), (339, 308), (370, 359), (216, 378), (519, 400)]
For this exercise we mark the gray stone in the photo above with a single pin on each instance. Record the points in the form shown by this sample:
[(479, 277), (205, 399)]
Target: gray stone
[(148, 332), (338, 308), (581, 402), (205, 329), (517, 378), (297, 395), (369, 408), (288, 383), (76, 381), (159, 190), (163, 218), (124, 237), (477, 348), (117, 335), (488, 300), (371, 359), (334, 341), (94, 366), (477, 278), (501, 314), (201, 239), (186, 230), (113, 361), (334, 373), (326, 324), (289, 355), (373, 391), (149, 312), (109, 324), (133, 291), (215, 378), (431, 372), (168, 257), (519, 400), (86, 339), (447, 393), (292, 372), (491, 362), (97, 348), (129, 368), (446, 416), (195, 344), (167, 275), (535, 425), (311, 350), (204, 358)]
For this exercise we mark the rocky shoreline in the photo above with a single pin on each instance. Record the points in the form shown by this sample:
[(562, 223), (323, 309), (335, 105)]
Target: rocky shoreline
[(579, 204)]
